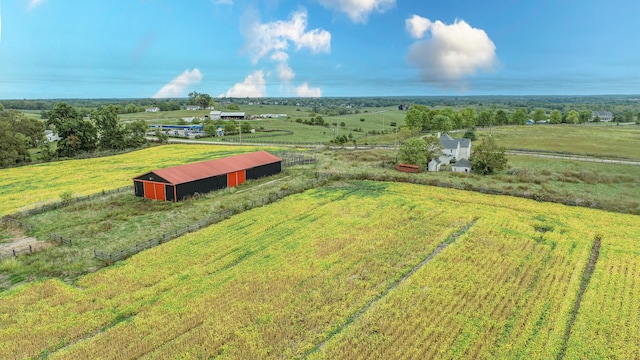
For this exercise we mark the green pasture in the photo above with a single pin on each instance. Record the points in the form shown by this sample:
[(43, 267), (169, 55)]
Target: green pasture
[(601, 140)]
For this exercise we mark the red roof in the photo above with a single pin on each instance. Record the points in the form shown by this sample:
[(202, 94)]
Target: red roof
[(201, 170)]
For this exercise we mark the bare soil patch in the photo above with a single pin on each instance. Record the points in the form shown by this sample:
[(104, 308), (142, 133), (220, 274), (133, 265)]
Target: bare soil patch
[(21, 244)]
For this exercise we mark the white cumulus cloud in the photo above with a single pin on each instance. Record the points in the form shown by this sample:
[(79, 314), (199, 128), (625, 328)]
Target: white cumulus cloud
[(358, 10), (451, 53), (280, 56), (253, 85), (177, 86), (417, 26), (276, 37), (285, 73), (305, 91)]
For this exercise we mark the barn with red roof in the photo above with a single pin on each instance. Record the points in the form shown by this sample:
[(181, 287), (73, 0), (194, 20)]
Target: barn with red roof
[(180, 182)]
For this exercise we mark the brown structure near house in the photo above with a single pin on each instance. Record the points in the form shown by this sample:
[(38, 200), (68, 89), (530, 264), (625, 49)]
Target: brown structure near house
[(180, 182), (408, 168)]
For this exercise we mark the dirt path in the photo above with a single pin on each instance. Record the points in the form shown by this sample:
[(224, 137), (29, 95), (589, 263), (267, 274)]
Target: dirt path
[(21, 245)]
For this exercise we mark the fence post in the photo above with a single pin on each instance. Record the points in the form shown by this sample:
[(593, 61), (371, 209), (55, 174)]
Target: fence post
[(14, 252), (30, 250)]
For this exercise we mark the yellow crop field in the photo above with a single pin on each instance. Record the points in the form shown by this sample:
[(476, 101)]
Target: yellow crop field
[(359, 270), (26, 186)]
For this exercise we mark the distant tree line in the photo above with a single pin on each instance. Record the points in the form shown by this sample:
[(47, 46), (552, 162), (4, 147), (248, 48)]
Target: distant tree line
[(99, 131), (18, 133), (424, 118)]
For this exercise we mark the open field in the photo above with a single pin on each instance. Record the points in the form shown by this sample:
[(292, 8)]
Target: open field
[(28, 186), (599, 140), (116, 222), (377, 119), (348, 271), (606, 186)]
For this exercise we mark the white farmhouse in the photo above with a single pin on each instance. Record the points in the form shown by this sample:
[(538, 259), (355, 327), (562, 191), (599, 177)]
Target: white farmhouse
[(455, 148)]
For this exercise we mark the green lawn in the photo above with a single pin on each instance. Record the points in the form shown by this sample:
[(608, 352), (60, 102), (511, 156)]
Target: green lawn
[(596, 140)]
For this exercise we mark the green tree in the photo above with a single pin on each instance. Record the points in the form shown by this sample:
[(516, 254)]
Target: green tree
[(555, 117), (486, 118), (519, 117), (628, 116), (246, 127), (13, 147), (46, 151), (230, 127), (467, 117), (211, 129), (204, 100), (130, 108), (413, 151), (434, 149), (162, 137), (416, 117), (234, 107), (539, 115), (487, 157), (585, 116), (573, 117), (638, 118), (135, 133), (193, 97), (442, 123), (110, 132), (501, 117), (32, 129), (75, 133)]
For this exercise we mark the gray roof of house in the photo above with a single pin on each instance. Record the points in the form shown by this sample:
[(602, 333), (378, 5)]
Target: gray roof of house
[(462, 163), (602, 113), (464, 142), (448, 142)]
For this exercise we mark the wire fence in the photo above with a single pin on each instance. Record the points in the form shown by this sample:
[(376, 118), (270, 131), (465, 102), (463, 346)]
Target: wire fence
[(15, 222), (296, 158), (15, 253), (60, 240)]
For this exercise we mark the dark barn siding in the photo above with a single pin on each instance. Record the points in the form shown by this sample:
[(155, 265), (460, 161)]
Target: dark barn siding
[(201, 186), (264, 170), (139, 188), (169, 191)]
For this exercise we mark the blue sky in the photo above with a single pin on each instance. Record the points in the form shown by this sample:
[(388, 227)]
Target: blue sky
[(281, 48)]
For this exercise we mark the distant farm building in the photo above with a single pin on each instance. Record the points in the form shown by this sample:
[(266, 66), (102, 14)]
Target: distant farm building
[(51, 136), (193, 107), (604, 116), (152, 109), (180, 182), (232, 115), (215, 115)]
